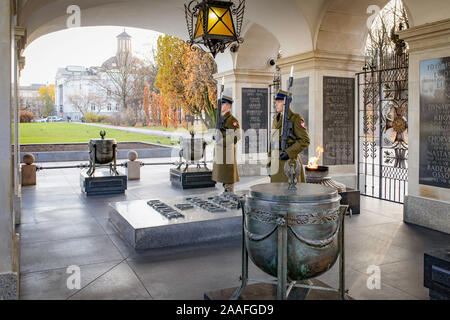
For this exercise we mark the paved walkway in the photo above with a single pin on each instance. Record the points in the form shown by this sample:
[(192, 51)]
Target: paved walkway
[(169, 134), (61, 227)]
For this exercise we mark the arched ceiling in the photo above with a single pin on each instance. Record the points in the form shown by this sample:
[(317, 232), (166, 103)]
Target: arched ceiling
[(427, 11), (343, 27), (299, 26), (258, 48), (281, 18)]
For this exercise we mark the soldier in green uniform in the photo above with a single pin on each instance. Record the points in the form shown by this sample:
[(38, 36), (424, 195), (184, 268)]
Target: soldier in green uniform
[(278, 157), (224, 166)]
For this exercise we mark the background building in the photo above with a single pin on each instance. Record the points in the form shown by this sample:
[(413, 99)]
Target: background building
[(80, 90), (30, 100)]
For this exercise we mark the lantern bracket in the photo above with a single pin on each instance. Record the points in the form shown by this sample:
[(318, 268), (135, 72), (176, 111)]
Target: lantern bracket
[(197, 14)]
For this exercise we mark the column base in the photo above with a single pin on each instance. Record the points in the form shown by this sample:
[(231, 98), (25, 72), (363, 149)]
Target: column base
[(9, 289), (425, 212)]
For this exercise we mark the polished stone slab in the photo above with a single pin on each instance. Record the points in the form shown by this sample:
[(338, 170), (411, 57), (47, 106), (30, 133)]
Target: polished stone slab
[(145, 228)]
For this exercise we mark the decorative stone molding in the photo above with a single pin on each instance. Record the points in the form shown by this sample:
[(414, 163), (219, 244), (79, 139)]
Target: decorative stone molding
[(21, 63), (20, 40), (20, 37), (245, 76), (322, 60), (427, 36)]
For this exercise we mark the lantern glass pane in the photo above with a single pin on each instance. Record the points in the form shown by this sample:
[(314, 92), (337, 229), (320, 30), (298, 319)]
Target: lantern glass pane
[(199, 25), (220, 22)]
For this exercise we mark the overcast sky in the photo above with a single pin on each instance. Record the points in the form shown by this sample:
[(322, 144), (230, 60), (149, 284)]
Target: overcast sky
[(86, 46)]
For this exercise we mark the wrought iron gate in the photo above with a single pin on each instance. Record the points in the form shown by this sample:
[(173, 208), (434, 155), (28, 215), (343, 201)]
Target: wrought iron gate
[(383, 128)]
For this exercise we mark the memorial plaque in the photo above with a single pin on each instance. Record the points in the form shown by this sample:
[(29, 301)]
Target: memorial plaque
[(435, 122), (338, 120), (255, 116), (300, 105)]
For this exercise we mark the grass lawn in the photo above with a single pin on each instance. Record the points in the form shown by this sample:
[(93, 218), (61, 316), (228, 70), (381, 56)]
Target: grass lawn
[(71, 132)]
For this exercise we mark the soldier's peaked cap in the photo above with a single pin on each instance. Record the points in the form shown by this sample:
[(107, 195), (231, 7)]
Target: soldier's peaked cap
[(281, 95), (226, 99)]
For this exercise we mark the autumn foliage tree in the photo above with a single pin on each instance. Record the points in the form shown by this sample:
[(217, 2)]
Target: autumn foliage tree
[(185, 80), (164, 111), (200, 88), (47, 95), (158, 103)]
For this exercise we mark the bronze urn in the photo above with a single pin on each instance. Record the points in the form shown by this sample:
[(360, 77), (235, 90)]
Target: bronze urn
[(102, 151)]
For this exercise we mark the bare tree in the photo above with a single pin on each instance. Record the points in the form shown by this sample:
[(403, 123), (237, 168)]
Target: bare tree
[(123, 79), (382, 38), (83, 102)]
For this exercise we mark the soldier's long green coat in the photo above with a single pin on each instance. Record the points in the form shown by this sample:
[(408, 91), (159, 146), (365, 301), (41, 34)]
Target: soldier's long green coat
[(225, 166), (296, 146)]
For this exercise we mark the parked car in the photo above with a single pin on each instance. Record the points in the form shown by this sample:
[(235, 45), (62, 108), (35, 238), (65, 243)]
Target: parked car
[(39, 120), (53, 119)]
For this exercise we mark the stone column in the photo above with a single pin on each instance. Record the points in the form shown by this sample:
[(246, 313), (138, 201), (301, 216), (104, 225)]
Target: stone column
[(8, 242), (19, 43), (252, 164), (427, 205), (312, 67)]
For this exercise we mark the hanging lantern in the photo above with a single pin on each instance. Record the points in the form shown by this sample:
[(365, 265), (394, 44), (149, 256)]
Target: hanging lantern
[(215, 24)]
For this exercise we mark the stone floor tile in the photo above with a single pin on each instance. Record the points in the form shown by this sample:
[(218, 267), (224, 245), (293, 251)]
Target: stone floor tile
[(55, 213), (191, 278), (63, 253), (406, 276), (52, 284), (119, 283), (59, 230)]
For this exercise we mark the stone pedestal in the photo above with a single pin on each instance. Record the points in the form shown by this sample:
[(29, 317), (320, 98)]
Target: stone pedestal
[(192, 178), (28, 175), (437, 274), (351, 198), (263, 291), (133, 170), (429, 213), (427, 204), (102, 184)]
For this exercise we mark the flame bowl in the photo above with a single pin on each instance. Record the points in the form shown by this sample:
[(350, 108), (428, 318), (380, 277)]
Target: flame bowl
[(316, 173)]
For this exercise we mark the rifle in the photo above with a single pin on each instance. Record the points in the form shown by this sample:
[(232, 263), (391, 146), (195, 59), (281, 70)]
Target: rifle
[(219, 119), (287, 126)]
